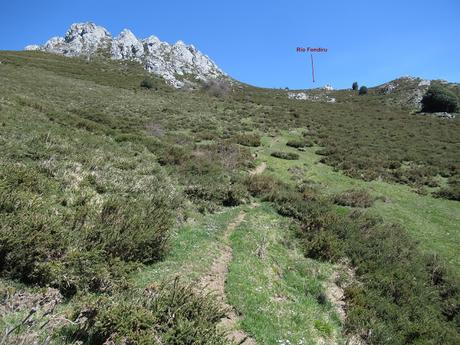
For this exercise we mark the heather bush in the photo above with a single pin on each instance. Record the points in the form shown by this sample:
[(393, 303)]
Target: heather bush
[(285, 155), (354, 198), (299, 143), (147, 84), (248, 139), (71, 244), (169, 313)]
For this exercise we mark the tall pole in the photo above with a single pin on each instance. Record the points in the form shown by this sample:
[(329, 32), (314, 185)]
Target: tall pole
[(312, 67)]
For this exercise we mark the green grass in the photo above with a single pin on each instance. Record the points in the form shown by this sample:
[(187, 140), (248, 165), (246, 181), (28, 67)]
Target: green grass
[(194, 247), (434, 222), (275, 287)]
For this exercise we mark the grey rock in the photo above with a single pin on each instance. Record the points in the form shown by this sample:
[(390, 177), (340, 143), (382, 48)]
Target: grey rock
[(127, 47), (406, 90), (179, 64)]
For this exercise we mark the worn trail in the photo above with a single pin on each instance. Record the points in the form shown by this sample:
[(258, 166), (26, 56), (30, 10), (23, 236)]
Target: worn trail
[(214, 281)]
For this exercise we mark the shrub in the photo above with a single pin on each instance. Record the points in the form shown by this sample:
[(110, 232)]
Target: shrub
[(355, 86), (452, 191), (133, 229), (354, 198), (147, 83), (260, 185), (173, 155), (285, 155), (362, 90), (439, 99), (217, 88), (299, 143), (235, 195), (171, 313), (79, 245), (248, 139)]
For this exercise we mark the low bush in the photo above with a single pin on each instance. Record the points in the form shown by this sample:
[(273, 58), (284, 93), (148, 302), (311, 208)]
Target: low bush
[(171, 313), (452, 191), (285, 155), (147, 84), (248, 139), (354, 198), (438, 99), (173, 155), (133, 229), (362, 90), (299, 143), (262, 185)]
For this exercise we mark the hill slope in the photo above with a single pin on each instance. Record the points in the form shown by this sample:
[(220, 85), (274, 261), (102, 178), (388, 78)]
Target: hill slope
[(109, 191)]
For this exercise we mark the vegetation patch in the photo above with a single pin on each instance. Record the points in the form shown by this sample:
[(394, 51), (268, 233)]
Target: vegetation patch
[(299, 143), (438, 99), (354, 198), (248, 139), (169, 313), (396, 282), (285, 155)]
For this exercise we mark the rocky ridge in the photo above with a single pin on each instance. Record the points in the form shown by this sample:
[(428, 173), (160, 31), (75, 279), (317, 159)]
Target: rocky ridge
[(408, 90), (179, 64)]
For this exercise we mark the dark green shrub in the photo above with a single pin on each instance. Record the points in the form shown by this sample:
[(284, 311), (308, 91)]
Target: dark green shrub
[(147, 83), (326, 151), (173, 155), (355, 86), (285, 155), (452, 191), (438, 99), (75, 246), (235, 195), (89, 271), (248, 139), (171, 313), (299, 143), (354, 198), (362, 90), (133, 229), (261, 185)]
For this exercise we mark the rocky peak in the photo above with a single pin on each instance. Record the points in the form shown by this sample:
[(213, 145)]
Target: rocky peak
[(406, 90), (126, 47), (172, 62)]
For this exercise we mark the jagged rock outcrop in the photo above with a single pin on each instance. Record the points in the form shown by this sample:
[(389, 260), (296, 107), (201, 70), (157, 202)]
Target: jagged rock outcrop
[(179, 64), (407, 90)]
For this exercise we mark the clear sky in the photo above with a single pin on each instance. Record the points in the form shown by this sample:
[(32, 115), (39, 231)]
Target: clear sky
[(255, 41)]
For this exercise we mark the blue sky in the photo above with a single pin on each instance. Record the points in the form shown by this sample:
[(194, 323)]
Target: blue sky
[(254, 41)]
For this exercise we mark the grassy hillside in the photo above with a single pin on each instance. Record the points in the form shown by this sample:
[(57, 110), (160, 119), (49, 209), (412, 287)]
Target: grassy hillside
[(132, 214)]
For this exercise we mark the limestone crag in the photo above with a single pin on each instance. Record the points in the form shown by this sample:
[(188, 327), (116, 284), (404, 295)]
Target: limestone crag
[(179, 64)]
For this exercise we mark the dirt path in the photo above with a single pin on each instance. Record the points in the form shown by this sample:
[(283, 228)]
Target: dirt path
[(214, 281), (259, 169)]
